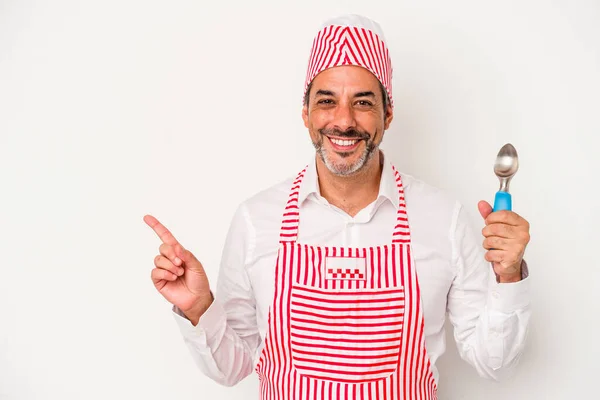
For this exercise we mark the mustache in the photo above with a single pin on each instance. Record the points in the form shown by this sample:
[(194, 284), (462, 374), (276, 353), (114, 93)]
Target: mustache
[(349, 133)]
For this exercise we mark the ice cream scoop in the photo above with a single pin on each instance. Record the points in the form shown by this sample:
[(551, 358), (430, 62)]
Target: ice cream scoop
[(505, 167)]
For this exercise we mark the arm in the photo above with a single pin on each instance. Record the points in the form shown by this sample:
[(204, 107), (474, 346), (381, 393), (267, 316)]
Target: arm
[(224, 341), (490, 319)]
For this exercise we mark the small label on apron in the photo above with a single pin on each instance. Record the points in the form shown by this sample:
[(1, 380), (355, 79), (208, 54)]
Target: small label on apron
[(346, 268)]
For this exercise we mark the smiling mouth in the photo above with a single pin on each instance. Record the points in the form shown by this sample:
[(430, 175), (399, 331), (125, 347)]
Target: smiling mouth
[(344, 142)]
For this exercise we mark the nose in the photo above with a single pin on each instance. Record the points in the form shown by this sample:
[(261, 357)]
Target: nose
[(344, 118)]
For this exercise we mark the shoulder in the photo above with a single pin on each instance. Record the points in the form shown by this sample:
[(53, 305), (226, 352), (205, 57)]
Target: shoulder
[(260, 217), (417, 190), (430, 206), (263, 211), (269, 200)]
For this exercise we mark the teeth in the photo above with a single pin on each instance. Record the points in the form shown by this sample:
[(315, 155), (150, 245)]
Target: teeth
[(344, 142)]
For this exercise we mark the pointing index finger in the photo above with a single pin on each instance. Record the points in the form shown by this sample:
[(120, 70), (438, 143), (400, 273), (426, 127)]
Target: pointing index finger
[(163, 233)]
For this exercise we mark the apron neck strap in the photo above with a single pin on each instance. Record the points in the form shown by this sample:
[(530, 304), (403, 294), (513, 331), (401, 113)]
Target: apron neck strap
[(401, 230), (291, 214)]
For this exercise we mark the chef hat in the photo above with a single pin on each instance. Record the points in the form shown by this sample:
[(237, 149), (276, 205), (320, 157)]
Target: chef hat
[(351, 40)]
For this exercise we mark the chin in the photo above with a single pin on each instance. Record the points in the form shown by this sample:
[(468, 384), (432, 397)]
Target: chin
[(344, 165)]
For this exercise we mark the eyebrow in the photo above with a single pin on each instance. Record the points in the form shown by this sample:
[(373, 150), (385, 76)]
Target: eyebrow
[(330, 93), (365, 94), (321, 92)]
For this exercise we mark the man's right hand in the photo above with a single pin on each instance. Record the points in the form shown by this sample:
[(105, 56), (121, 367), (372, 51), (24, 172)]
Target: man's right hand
[(178, 275)]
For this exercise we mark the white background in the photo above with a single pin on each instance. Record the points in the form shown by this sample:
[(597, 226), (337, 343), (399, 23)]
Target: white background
[(113, 109)]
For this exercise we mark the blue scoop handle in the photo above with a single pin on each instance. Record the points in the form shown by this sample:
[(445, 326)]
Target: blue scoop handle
[(503, 201)]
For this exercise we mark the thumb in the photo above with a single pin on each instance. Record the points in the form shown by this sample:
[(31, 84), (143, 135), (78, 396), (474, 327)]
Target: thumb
[(485, 208), (188, 258)]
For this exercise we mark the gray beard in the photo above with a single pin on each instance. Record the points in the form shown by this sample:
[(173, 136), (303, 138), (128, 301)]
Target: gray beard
[(345, 169)]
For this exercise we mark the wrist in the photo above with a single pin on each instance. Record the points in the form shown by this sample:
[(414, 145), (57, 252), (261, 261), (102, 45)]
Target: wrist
[(522, 271), (508, 279), (194, 313)]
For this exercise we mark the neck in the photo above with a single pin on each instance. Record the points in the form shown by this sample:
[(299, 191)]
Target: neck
[(351, 193)]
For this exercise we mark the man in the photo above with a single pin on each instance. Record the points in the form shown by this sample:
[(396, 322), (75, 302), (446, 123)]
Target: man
[(336, 283)]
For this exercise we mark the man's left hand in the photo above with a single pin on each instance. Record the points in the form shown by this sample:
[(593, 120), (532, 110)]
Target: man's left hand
[(506, 237)]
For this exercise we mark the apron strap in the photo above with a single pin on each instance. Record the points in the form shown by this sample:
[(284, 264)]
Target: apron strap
[(401, 230), (291, 214)]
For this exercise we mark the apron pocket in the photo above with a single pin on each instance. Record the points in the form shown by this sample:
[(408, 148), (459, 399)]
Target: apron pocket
[(346, 335)]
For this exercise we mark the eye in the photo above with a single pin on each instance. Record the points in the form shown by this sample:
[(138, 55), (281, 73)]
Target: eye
[(364, 103), (325, 101)]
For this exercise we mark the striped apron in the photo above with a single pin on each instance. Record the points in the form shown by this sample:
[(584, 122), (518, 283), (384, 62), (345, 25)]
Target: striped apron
[(345, 323)]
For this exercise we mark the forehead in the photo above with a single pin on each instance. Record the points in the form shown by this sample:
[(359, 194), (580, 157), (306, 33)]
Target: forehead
[(347, 78)]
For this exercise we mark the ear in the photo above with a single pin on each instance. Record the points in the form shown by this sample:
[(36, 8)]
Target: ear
[(389, 116), (305, 115)]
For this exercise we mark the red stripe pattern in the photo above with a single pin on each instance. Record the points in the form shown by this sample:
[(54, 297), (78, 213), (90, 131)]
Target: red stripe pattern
[(355, 339), (349, 45), (334, 337)]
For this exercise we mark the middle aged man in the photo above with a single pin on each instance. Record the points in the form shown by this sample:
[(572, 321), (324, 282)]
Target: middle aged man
[(336, 282)]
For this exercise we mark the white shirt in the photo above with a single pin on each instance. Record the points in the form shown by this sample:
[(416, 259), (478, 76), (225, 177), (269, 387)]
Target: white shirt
[(490, 319)]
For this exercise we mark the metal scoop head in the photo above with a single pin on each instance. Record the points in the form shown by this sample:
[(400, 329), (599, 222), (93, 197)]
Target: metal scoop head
[(506, 165)]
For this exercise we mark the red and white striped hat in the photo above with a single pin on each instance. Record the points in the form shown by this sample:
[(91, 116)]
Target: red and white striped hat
[(351, 40)]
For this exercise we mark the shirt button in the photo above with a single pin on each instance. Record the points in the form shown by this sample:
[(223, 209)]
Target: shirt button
[(495, 295)]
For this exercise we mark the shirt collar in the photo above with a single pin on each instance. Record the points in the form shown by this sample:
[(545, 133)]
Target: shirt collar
[(388, 189)]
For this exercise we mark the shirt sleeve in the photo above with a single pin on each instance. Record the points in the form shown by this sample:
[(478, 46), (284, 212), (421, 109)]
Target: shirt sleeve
[(490, 319), (226, 338)]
